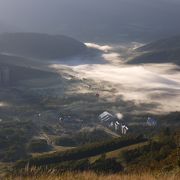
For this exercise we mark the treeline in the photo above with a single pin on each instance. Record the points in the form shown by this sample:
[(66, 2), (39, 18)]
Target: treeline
[(80, 152), (172, 119)]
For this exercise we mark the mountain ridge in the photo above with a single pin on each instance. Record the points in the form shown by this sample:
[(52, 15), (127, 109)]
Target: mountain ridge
[(40, 46), (160, 51)]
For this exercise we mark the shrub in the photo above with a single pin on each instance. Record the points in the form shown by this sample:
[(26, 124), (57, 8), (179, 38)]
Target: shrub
[(38, 145)]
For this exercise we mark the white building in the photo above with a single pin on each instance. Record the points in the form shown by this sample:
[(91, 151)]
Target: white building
[(111, 125), (117, 126), (106, 117), (113, 122), (124, 129)]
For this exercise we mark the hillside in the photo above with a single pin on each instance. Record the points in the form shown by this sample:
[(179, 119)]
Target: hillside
[(154, 157), (162, 44), (60, 158), (17, 73), (42, 46), (161, 51)]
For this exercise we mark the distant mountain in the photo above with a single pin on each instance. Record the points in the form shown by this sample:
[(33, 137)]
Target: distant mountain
[(161, 51), (162, 44), (41, 46)]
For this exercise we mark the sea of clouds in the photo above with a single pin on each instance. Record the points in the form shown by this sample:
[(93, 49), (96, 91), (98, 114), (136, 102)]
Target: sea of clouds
[(151, 83)]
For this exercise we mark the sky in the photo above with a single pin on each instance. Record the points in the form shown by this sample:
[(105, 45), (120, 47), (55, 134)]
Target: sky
[(92, 19)]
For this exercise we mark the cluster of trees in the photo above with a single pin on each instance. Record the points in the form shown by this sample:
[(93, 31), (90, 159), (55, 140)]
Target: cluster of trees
[(172, 119), (157, 149), (84, 137), (38, 146), (110, 165), (13, 138)]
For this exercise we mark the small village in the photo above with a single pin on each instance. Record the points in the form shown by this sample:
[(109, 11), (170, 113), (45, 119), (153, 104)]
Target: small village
[(118, 124), (113, 122)]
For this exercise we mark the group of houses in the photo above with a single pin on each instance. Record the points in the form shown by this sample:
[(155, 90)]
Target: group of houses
[(113, 122), (117, 124)]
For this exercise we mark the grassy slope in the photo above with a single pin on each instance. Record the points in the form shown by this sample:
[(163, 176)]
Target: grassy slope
[(92, 176), (116, 153), (80, 152), (110, 154), (39, 174)]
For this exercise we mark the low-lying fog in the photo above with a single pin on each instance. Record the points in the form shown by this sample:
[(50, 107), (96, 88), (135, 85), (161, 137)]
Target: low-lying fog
[(3, 104), (151, 83)]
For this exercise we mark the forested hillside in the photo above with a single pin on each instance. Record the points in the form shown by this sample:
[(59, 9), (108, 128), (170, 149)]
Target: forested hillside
[(42, 46), (161, 51)]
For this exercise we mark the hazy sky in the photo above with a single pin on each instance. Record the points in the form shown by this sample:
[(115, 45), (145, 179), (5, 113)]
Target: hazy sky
[(91, 17)]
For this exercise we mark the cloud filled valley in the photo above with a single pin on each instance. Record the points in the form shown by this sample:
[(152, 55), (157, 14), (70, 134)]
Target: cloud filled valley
[(157, 84)]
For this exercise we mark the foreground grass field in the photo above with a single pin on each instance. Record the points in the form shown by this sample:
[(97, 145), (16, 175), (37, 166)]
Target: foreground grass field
[(92, 176)]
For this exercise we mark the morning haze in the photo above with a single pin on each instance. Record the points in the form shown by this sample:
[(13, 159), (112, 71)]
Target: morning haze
[(89, 89), (95, 19)]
